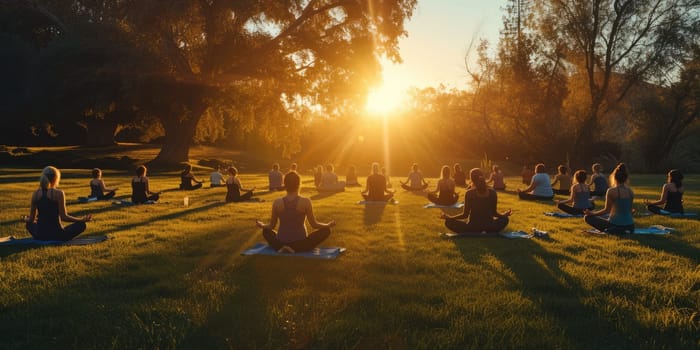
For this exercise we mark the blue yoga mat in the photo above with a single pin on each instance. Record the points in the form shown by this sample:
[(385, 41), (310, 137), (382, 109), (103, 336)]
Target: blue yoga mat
[(651, 230), (453, 206), (678, 215), (11, 240), (317, 253)]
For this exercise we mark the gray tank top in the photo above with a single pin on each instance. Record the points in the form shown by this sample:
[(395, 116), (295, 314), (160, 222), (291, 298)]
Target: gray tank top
[(292, 226)]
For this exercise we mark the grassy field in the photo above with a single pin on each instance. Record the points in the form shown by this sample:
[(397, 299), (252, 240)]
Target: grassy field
[(173, 277)]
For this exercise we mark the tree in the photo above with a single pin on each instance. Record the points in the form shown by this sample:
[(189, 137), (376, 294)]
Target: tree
[(614, 45), (297, 57)]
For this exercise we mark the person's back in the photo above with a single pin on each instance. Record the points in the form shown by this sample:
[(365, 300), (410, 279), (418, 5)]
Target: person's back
[(564, 181), (482, 207), (582, 196), (460, 178), (292, 221), (415, 179), (621, 211), (674, 200), (275, 179), (543, 186), (138, 189), (497, 178), (96, 188), (600, 183), (216, 178), (329, 180), (376, 185), (446, 188), (48, 220)]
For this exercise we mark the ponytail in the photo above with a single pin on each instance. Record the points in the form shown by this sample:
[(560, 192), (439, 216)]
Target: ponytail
[(620, 175), (476, 176), (50, 177)]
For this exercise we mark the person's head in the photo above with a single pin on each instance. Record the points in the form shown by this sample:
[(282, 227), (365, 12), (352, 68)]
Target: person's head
[(457, 167), (50, 177), (141, 170), (291, 182), (375, 168), (187, 169), (319, 169), (445, 171), (496, 168), (580, 176), (293, 167), (476, 177), (414, 167), (562, 169), (275, 166), (96, 173), (597, 168), (330, 168), (233, 171), (539, 168), (675, 177), (620, 175)]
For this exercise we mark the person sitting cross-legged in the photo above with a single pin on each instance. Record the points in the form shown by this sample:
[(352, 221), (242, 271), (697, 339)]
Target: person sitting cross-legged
[(540, 186), (293, 211), (415, 180), (580, 196), (444, 194), (479, 207), (375, 189)]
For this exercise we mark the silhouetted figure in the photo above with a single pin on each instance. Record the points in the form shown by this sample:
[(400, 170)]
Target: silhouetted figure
[(292, 211), (48, 210)]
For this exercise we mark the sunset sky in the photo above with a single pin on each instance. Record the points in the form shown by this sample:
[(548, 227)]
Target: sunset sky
[(438, 37)]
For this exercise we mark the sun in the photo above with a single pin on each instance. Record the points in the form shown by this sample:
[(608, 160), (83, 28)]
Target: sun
[(384, 100)]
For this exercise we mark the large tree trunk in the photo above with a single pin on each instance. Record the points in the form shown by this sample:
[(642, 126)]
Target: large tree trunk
[(100, 133), (179, 134)]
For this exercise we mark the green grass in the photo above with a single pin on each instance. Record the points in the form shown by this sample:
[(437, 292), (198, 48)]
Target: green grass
[(173, 277)]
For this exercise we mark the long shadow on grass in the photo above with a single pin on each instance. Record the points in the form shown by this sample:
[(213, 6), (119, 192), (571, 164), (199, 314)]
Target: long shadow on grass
[(671, 245), (128, 304), (557, 294), (373, 213)]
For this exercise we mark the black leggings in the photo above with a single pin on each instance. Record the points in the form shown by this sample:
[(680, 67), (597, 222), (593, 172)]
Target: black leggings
[(532, 197), (459, 226), (66, 234), (107, 195), (242, 198), (309, 243), (565, 192), (657, 209), (571, 210), (605, 225), (443, 201)]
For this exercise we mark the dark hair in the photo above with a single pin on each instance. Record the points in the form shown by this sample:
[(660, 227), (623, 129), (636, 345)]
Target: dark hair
[(96, 172), (496, 168), (620, 174), (187, 169), (275, 166), (457, 166), (476, 176), (676, 178), (539, 168), (562, 169), (580, 176), (291, 182), (232, 170), (141, 170)]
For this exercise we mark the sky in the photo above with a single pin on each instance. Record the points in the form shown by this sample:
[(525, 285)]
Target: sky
[(438, 39)]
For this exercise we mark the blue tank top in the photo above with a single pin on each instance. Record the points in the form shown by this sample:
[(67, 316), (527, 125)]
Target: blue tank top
[(674, 202), (623, 211), (581, 199), (48, 221), (292, 226)]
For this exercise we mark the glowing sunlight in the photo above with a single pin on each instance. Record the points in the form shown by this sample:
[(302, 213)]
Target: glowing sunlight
[(385, 99)]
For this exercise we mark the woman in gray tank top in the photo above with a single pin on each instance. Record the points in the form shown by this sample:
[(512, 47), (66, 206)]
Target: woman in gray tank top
[(292, 211)]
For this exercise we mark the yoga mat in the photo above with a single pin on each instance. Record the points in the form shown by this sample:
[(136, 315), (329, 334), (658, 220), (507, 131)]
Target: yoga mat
[(511, 235), (453, 206), (87, 199), (561, 215), (377, 202), (11, 240), (317, 253), (127, 203), (678, 215), (651, 230)]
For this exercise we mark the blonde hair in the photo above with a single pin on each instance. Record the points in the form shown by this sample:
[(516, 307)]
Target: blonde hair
[(50, 177)]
